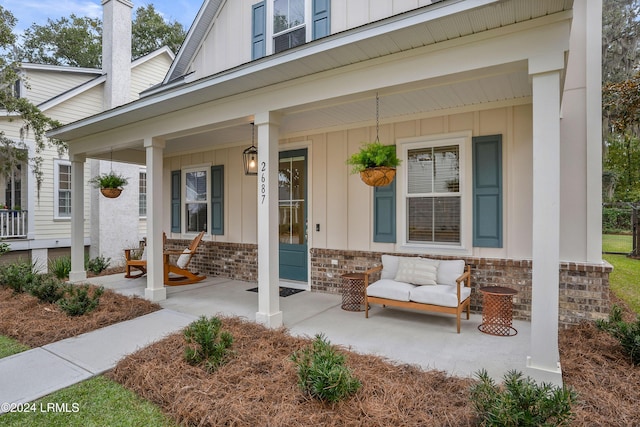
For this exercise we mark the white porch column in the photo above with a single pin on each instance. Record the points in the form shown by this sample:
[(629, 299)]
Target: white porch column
[(77, 273), (543, 361), (269, 313), (155, 290)]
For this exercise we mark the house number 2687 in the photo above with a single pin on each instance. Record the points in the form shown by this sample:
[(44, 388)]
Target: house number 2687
[(263, 182)]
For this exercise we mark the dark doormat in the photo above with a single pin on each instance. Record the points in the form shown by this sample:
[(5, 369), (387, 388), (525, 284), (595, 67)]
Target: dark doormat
[(284, 292)]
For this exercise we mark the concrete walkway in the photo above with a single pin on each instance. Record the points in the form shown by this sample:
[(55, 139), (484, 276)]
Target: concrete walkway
[(429, 341), (37, 372)]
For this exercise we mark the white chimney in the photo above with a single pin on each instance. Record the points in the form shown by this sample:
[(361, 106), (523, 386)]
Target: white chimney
[(116, 51)]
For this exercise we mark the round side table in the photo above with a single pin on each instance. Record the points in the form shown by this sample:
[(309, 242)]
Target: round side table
[(353, 291), (497, 311)]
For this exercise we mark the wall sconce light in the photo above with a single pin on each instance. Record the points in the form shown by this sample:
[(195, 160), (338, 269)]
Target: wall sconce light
[(250, 156)]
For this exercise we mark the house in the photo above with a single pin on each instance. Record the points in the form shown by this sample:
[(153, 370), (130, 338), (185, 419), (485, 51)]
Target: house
[(508, 91), (37, 221)]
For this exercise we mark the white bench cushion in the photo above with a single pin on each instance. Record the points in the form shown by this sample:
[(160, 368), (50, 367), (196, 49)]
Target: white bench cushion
[(449, 271), (443, 295), (387, 288)]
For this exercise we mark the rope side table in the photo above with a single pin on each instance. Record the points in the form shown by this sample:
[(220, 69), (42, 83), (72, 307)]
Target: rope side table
[(353, 291), (497, 311)]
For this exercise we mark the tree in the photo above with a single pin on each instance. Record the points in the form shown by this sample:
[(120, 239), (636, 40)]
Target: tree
[(74, 41), (34, 122), (150, 32), (77, 41), (620, 38)]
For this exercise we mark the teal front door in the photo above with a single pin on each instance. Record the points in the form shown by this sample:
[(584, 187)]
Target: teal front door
[(292, 197)]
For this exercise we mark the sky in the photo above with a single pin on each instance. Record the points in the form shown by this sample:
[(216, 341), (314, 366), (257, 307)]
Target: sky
[(28, 12)]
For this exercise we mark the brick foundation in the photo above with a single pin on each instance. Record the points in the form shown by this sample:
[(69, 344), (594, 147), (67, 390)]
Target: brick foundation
[(584, 288)]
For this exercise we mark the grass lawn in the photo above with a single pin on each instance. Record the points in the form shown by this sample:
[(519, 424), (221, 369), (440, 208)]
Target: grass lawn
[(95, 402), (9, 346), (624, 279), (617, 243)]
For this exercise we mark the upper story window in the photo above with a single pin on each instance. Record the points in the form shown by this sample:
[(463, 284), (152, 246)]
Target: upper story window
[(62, 183), (142, 194), (278, 25)]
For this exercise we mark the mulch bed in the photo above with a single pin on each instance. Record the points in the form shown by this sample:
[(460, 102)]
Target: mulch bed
[(258, 387), (35, 323)]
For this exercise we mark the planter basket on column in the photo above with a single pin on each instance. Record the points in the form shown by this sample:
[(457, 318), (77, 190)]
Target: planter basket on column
[(378, 176)]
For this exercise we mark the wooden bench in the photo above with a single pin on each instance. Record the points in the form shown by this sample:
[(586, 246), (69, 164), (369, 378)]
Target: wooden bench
[(451, 292)]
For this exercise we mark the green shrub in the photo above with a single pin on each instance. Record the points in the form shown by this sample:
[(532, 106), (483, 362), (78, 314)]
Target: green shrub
[(78, 300), (616, 220), (4, 248), (322, 372), (60, 266), (521, 402), (207, 344), (98, 264), (17, 275), (47, 288), (628, 333)]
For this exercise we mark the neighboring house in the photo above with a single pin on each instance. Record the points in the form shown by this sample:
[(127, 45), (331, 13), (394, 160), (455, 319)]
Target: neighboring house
[(40, 227), (505, 94)]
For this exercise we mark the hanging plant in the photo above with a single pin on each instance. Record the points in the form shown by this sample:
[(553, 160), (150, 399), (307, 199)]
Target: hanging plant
[(110, 184), (376, 163)]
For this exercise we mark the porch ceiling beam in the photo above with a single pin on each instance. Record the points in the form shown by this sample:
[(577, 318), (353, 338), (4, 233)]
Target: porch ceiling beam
[(477, 52)]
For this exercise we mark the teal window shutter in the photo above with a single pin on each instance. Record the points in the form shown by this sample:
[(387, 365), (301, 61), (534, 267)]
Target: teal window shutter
[(384, 213), (217, 199), (258, 30), (176, 190), (487, 191), (321, 18)]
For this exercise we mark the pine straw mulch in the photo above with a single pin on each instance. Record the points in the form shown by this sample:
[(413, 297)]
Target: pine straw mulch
[(34, 323), (259, 385)]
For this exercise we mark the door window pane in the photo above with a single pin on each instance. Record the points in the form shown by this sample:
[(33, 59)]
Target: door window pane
[(292, 203)]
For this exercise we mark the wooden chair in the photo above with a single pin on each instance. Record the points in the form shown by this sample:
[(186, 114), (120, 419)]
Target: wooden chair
[(178, 273), (135, 259)]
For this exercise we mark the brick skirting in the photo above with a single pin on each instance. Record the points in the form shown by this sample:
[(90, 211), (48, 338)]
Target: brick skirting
[(584, 288)]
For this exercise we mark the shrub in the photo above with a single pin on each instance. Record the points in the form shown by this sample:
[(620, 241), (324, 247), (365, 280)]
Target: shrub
[(206, 343), (17, 275), (60, 266), (98, 264), (628, 333), (77, 300), (521, 402), (4, 248), (47, 288), (616, 220), (322, 373)]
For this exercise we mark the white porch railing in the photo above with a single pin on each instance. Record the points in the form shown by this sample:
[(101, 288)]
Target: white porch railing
[(13, 224)]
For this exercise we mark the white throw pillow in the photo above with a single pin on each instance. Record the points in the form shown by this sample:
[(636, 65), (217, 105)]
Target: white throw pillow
[(143, 257), (449, 271), (183, 259), (417, 271), (389, 266)]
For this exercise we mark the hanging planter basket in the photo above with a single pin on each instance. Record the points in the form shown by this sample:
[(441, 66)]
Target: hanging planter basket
[(378, 176), (111, 193)]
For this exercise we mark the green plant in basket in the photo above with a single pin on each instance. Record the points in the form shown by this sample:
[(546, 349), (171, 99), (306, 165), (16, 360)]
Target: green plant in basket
[(109, 180), (372, 155)]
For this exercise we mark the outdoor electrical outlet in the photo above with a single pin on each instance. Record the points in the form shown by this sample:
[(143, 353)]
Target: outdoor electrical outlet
[(317, 227), (334, 262)]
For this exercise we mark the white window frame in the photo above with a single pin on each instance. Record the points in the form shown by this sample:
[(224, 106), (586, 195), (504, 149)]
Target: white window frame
[(57, 163), (183, 202), (146, 205), (463, 140), (270, 36)]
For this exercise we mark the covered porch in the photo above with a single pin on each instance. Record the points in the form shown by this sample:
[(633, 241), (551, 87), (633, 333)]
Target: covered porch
[(426, 340)]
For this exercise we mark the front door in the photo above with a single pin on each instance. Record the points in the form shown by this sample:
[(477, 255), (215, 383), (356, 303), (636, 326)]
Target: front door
[(292, 197)]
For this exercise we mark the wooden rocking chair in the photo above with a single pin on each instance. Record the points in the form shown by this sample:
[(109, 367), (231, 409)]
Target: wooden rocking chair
[(178, 273), (135, 259)]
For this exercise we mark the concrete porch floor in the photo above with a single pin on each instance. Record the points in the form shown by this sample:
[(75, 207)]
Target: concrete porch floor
[(427, 340)]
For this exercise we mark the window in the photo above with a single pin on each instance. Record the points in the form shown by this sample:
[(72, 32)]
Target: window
[(142, 194), (288, 24), (436, 198), (196, 200), (62, 182), (291, 23), (13, 189)]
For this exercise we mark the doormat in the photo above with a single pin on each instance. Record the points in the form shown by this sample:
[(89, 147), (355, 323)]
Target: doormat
[(284, 292)]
